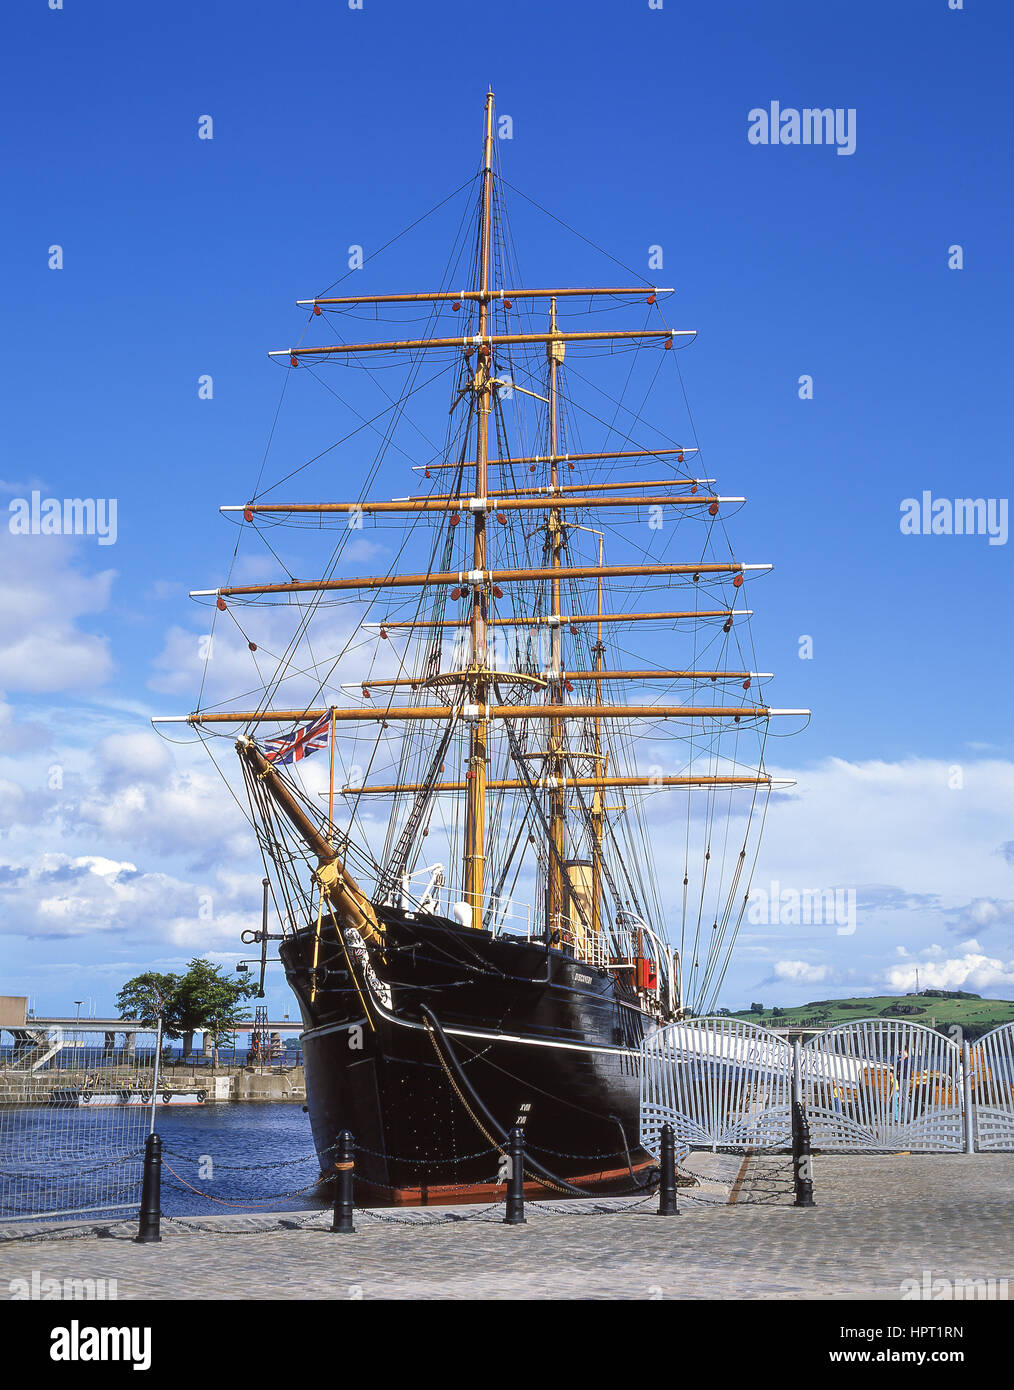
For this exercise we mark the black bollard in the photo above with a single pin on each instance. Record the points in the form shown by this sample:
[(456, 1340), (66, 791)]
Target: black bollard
[(515, 1215), (148, 1225), (802, 1160), (667, 1204), (345, 1167)]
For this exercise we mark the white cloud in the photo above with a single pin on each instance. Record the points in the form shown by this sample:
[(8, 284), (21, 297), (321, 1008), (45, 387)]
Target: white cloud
[(105, 868), (129, 839), (46, 591), (160, 589), (897, 824), (218, 661), (139, 798), (20, 735), (136, 757), (925, 860), (975, 972), (981, 914), (801, 972), (78, 896)]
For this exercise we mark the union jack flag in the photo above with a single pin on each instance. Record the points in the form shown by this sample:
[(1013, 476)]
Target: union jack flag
[(292, 748)]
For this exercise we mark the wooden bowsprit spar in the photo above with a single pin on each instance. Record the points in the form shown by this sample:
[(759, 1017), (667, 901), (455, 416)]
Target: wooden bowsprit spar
[(560, 683)]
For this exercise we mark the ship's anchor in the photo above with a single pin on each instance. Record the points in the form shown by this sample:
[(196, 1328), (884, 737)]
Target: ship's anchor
[(251, 938)]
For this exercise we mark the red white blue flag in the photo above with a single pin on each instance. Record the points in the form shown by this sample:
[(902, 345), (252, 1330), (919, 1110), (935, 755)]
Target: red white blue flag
[(292, 748)]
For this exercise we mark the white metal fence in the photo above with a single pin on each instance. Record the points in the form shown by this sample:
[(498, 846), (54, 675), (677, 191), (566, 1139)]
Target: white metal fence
[(74, 1113), (719, 1082), (992, 1086), (884, 1084), (881, 1085)]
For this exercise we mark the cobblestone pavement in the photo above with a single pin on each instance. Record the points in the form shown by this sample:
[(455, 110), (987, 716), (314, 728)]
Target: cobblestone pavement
[(880, 1220)]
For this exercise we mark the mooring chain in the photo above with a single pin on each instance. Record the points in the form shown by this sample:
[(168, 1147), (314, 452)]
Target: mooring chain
[(248, 1167), (559, 1153), (331, 1148), (492, 1181), (260, 1201), (301, 1191), (437, 1218), (316, 1222), (191, 1225), (599, 1209)]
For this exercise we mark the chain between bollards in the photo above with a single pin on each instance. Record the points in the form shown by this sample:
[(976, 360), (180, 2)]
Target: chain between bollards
[(667, 1203), (345, 1167), (515, 1214), (802, 1159), (148, 1230)]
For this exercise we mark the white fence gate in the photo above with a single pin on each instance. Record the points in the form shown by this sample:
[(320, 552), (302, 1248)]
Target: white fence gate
[(884, 1084), (721, 1084), (877, 1084), (992, 1068)]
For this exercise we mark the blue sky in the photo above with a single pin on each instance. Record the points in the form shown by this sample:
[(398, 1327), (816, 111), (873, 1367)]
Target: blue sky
[(183, 257)]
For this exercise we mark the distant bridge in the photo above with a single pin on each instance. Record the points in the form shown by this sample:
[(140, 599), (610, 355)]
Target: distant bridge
[(135, 1025), (38, 1039)]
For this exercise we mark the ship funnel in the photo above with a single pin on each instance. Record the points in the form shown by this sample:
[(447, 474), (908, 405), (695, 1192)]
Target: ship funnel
[(578, 904)]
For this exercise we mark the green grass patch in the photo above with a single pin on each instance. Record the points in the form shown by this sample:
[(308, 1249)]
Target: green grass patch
[(973, 1015)]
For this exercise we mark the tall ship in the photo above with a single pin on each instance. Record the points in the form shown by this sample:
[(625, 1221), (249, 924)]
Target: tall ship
[(509, 787)]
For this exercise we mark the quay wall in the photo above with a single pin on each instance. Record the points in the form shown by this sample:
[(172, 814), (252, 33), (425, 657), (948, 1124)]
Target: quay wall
[(218, 1083)]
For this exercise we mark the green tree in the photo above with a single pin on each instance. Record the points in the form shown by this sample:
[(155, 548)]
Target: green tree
[(204, 999), (147, 995)]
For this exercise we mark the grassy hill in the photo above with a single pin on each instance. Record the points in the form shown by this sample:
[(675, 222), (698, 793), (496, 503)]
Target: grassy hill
[(974, 1015)]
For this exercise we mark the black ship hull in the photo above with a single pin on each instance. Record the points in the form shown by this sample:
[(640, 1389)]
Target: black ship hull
[(527, 1034)]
